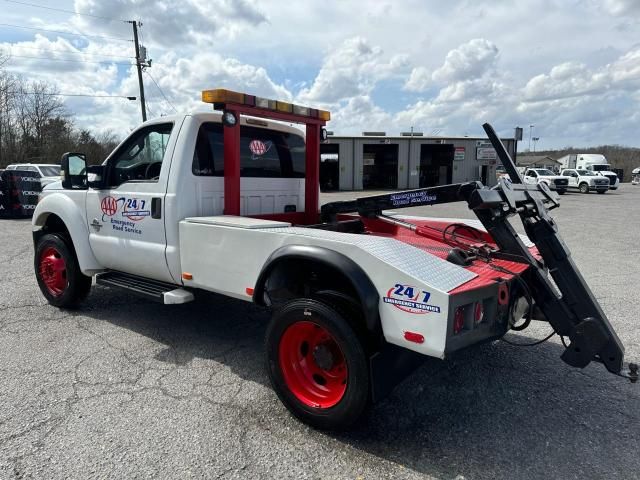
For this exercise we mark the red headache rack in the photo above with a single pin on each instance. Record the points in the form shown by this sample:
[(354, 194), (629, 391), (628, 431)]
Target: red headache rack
[(233, 104)]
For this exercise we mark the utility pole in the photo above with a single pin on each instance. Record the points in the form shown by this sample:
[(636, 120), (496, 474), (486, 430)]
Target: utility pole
[(530, 131), (139, 63)]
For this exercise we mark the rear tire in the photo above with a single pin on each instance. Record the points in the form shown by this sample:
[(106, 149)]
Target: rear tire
[(317, 364), (57, 271), (584, 188)]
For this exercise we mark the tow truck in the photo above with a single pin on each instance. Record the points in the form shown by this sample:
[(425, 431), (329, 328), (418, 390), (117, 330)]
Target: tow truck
[(228, 202)]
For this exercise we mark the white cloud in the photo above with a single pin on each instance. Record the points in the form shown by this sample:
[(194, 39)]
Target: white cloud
[(419, 80), (470, 60), (467, 62), (622, 7), (358, 114), (351, 69)]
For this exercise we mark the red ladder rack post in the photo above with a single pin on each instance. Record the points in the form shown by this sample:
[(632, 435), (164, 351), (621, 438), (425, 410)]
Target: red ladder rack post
[(231, 139), (312, 175)]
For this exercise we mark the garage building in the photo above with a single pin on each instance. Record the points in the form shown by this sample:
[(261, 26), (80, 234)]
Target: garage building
[(375, 161)]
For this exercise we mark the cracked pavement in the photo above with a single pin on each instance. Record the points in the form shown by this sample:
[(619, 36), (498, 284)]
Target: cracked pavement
[(125, 388)]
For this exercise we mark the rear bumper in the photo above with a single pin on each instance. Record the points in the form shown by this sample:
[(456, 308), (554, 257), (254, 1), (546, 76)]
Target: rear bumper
[(495, 322)]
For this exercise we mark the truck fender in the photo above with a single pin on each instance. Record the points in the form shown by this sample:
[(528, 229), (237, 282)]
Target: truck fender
[(75, 222), (362, 285)]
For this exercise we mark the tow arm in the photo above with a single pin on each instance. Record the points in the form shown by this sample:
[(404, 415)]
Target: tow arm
[(571, 308)]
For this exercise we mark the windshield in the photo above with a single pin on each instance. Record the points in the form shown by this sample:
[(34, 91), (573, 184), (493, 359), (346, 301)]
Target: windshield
[(545, 173), (50, 170), (599, 168), (586, 173)]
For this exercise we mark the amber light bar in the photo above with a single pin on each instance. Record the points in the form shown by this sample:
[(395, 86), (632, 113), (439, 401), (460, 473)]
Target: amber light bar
[(221, 95)]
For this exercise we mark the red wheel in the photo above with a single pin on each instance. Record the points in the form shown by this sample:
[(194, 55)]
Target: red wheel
[(313, 365), (53, 271), (57, 271), (317, 364)]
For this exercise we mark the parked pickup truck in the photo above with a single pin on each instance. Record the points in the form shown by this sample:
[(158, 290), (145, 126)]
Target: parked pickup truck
[(229, 203), (542, 175), (586, 181)]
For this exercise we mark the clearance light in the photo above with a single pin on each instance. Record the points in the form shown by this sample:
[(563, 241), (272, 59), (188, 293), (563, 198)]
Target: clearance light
[(265, 103), (298, 110), (223, 96), (458, 320), (284, 107), (414, 337)]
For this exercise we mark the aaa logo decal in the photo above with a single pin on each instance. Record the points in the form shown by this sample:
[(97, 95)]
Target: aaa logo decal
[(410, 299), (258, 148), (109, 206)]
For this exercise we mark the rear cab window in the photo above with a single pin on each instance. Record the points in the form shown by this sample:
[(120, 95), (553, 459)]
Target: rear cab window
[(264, 153)]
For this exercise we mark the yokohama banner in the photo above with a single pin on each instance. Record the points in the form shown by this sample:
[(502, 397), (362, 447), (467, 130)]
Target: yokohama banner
[(19, 192)]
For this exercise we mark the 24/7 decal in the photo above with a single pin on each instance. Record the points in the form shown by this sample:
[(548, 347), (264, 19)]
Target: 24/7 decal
[(410, 299), (132, 208)]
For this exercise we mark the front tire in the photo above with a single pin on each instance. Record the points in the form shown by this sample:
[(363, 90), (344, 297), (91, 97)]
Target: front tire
[(57, 271), (317, 364), (602, 192), (584, 188)]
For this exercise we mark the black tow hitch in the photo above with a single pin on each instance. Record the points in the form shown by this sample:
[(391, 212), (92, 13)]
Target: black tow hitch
[(566, 303), (569, 305)]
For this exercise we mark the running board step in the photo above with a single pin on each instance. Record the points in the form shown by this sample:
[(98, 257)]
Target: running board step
[(162, 292)]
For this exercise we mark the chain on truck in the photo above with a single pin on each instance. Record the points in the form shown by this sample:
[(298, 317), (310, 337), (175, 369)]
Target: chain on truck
[(228, 202)]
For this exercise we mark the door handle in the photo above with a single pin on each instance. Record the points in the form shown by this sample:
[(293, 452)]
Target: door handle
[(156, 208), (96, 224)]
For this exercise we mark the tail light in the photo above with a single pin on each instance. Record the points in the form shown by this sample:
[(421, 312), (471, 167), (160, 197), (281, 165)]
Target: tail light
[(458, 320), (478, 312)]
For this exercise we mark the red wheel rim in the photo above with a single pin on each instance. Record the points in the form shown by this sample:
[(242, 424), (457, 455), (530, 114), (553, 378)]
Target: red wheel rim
[(313, 365), (53, 271)]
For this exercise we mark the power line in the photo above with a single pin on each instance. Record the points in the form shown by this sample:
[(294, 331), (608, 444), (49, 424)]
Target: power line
[(160, 90), (72, 95), (66, 60), (63, 10), (65, 33), (20, 47)]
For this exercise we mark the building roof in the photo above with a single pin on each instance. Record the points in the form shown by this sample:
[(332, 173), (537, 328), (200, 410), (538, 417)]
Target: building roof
[(529, 160)]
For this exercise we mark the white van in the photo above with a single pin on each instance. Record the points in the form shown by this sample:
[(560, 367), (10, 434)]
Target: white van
[(48, 172)]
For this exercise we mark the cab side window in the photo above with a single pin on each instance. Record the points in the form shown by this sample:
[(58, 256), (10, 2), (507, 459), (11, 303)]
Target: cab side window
[(263, 153), (533, 174), (140, 158)]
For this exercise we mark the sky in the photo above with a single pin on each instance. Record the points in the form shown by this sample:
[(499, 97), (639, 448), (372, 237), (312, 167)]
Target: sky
[(568, 68)]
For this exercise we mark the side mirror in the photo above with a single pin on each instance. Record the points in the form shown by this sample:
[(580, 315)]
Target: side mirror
[(73, 170)]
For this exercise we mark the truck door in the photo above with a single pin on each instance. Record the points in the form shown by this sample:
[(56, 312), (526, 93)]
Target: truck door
[(573, 177), (126, 218), (530, 177)]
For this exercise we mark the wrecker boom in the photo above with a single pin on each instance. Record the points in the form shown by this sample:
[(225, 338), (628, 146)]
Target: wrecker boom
[(571, 308)]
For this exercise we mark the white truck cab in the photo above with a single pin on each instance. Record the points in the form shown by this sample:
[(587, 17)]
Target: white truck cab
[(555, 182), (594, 162), (586, 181), (230, 204)]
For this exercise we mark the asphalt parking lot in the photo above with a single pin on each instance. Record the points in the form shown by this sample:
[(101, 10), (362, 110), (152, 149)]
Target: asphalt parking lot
[(124, 388)]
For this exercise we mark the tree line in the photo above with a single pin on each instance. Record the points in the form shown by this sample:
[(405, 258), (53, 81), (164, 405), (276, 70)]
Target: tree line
[(35, 126)]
